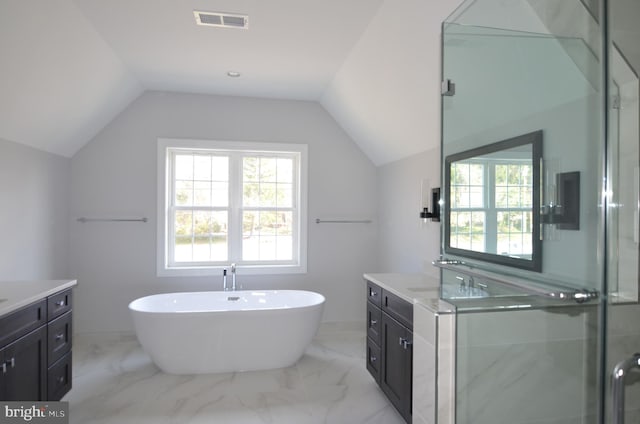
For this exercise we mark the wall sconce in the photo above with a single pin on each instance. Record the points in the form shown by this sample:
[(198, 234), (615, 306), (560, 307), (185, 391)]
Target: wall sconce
[(435, 207), (565, 212)]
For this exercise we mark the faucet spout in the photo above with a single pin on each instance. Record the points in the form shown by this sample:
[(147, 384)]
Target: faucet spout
[(233, 277)]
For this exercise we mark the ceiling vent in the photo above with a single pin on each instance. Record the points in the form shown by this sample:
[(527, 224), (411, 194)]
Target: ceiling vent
[(225, 20)]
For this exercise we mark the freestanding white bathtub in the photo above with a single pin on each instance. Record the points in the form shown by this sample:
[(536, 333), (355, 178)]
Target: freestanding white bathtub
[(224, 331)]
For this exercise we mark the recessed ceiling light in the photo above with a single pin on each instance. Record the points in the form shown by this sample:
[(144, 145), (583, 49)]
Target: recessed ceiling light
[(233, 74)]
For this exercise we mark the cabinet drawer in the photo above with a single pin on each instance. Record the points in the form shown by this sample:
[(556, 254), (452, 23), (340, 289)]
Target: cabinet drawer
[(59, 337), (59, 378), (59, 303), (374, 293), (22, 321), (398, 308), (374, 316), (373, 359)]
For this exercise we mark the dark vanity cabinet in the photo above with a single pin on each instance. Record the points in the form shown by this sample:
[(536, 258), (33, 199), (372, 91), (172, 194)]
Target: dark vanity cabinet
[(390, 346), (35, 350)]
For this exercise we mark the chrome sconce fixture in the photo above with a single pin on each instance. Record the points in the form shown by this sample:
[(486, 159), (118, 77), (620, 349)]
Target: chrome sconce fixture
[(434, 215), (565, 211)]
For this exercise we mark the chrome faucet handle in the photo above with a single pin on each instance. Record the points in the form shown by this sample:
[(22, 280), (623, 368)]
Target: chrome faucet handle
[(224, 279)]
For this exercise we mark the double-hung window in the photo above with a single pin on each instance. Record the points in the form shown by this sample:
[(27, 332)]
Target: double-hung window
[(231, 202)]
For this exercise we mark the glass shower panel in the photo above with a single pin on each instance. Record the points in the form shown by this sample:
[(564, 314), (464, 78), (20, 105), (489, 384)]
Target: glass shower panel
[(526, 366), (622, 329), (507, 83), (526, 353)]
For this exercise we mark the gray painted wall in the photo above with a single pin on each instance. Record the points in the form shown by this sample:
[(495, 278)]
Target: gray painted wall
[(34, 188), (406, 244), (115, 175)]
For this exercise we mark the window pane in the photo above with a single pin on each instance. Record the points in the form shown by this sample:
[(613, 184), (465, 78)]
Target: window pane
[(194, 184), (478, 231), (267, 235), (183, 223), (463, 197), (220, 194), (219, 168), (501, 197), (515, 232), (184, 193), (476, 174), (268, 167), (200, 236), (284, 196), (513, 176), (184, 167), (267, 194), (250, 169), (202, 167), (476, 197), (285, 170), (202, 193), (251, 194), (267, 182), (527, 197), (514, 197), (527, 175), (501, 174), (460, 174)]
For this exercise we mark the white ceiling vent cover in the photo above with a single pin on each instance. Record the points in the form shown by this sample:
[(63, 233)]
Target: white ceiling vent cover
[(225, 20)]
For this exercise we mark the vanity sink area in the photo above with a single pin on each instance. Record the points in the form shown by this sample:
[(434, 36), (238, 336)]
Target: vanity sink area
[(454, 293), (449, 340)]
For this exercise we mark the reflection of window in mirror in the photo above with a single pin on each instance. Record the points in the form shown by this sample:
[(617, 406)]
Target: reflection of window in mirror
[(492, 202), (491, 206)]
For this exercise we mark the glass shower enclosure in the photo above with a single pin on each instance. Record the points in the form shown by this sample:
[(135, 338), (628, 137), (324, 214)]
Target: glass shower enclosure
[(540, 247)]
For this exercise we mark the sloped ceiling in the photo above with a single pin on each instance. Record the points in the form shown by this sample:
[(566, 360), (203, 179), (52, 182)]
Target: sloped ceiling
[(70, 66), (386, 95), (60, 81)]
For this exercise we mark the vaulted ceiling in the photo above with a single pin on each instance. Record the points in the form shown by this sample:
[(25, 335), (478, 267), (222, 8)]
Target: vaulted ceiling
[(70, 66)]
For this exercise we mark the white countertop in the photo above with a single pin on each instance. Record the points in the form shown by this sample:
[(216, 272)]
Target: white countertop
[(23, 293)]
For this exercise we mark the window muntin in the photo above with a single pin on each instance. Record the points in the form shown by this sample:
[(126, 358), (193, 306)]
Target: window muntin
[(222, 205)]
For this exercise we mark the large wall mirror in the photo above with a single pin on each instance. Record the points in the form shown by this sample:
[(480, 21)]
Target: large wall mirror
[(492, 207)]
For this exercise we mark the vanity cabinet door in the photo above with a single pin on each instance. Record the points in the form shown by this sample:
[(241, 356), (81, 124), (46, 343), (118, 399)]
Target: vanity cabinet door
[(23, 371), (396, 368)]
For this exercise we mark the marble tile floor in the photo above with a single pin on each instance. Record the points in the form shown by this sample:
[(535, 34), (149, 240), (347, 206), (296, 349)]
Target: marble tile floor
[(115, 382)]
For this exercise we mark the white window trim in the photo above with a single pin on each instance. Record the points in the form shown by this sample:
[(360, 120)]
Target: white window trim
[(163, 175)]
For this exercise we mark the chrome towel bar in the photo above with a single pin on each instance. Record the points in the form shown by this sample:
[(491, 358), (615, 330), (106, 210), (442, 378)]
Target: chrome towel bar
[(83, 219), (342, 221)]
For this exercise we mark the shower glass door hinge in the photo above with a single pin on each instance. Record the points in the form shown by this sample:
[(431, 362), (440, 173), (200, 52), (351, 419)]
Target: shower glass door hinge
[(448, 88)]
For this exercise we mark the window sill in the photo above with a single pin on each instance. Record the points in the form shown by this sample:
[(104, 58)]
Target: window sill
[(216, 271)]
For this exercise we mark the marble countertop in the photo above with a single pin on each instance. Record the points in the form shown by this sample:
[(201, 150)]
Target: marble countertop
[(16, 294), (423, 290)]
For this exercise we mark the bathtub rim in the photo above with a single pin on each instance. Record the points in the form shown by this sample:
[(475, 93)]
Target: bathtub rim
[(319, 299)]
